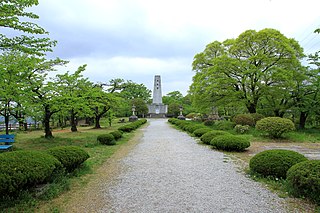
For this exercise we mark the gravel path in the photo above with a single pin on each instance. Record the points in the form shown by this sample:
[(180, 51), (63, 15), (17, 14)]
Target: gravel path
[(169, 172)]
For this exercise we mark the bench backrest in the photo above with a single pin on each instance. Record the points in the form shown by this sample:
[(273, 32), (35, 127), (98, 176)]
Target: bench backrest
[(6, 138)]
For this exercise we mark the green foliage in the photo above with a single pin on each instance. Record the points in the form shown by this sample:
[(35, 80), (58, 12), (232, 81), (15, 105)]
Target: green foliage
[(106, 139), (21, 169), (207, 137), (304, 179), (132, 126), (201, 131), (275, 126), (230, 142), (209, 122), (242, 129), (256, 117), (275, 162), (244, 119), (116, 134), (193, 126), (224, 125), (71, 157)]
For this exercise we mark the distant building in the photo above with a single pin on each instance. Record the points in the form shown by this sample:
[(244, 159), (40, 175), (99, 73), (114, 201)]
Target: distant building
[(157, 109)]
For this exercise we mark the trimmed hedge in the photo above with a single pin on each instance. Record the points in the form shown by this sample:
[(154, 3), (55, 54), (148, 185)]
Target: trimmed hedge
[(224, 125), (275, 162), (304, 179), (201, 131), (116, 134), (106, 139), (192, 127), (132, 126), (230, 143), (207, 137), (21, 169), (275, 126), (71, 157)]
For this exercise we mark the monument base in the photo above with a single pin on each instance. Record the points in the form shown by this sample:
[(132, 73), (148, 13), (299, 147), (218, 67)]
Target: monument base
[(158, 110), (133, 118)]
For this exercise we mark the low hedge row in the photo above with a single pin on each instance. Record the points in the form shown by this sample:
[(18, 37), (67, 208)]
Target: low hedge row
[(227, 141), (132, 126), (23, 169), (71, 157), (106, 139)]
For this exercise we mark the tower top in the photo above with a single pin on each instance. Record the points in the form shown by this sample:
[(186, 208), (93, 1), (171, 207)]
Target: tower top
[(157, 93)]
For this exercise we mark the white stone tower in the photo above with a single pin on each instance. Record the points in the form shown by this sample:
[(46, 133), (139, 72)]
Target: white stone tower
[(157, 109)]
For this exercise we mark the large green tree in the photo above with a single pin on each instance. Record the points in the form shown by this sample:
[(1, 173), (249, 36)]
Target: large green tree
[(243, 70), (15, 18)]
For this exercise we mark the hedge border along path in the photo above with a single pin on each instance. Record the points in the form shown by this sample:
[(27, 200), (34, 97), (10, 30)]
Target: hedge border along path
[(167, 171)]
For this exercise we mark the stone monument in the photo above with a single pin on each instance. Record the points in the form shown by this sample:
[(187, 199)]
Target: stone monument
[(157, 109)]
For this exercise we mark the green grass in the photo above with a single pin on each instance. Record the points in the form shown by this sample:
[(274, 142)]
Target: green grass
[(86, 138)]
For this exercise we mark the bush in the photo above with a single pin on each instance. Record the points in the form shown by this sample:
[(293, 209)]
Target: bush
[(116, 134), (275, 126), (71, 157), (230, 143), (275, 162), (132, 126), (201, 131), (191, 128), (257, 117), (106, 139), (224, 125), (208, 122), (207, 137), (21, 169), (244, 119), (242, 129), (304, 179)]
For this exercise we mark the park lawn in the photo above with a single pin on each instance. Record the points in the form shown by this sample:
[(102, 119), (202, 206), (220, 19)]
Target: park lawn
[(86, 138)]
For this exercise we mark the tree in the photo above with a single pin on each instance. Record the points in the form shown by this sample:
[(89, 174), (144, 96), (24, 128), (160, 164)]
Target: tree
[(241, 71), (13, 16), (141, 107)]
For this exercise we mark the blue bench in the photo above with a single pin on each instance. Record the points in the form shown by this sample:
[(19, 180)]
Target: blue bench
[(6, 141)]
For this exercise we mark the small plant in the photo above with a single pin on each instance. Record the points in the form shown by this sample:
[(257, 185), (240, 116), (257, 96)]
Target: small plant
[(242, 129), (224, 125), (244, 119), (71, 157), (208, 122), (207, 137), (275, 162), (106, 139), (304, 179), (256, 117), (230, 143), (201, 131), (275, 126), (191, 128)]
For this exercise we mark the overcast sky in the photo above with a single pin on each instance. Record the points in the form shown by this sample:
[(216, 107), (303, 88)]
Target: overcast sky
[(137, 39)]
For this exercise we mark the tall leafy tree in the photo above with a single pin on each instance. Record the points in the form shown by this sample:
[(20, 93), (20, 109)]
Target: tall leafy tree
[(243, 70), (14, 17)]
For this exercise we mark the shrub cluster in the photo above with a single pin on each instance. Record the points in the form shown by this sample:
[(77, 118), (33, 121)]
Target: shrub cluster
[(21, 169), (71, 157), (208, 122), (207, 137), (275, 126), (106, 139), (242, 129), (275, 162), (116, 134), (230, 142), (132, 126), (304, 179), (224, 125)]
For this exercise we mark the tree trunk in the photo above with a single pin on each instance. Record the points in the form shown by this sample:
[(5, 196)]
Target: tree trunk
[(46, 122), (97, 122), (6, 121), (302, 120), (73, 121)]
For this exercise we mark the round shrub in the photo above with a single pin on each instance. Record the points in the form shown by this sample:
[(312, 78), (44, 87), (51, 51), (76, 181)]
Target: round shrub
[(275, 126), (207, 137), (201, 131), (275, 162), (304, 179), (106, 139), (126, 128), (116, 134), (230, 143), (242, 129), (21, 169), (256, 117), (244, 119), (71, 157), (191, 128), (208, 122)]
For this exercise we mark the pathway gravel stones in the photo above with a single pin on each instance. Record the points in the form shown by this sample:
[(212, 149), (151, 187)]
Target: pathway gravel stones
[(167, 171)]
